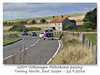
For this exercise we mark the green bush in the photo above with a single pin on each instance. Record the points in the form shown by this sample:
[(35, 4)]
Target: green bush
[(87, 25), (33, 22), (42, 21), (69, 27), (18, 28), (22, 27)]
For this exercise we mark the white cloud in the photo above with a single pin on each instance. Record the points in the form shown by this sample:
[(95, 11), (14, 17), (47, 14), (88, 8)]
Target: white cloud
[(29, 10)]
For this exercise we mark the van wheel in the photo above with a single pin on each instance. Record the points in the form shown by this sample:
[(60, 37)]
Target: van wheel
[(52, 38), (44, 38)]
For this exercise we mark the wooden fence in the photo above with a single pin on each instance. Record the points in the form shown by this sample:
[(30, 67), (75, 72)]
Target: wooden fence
[(89, 45)]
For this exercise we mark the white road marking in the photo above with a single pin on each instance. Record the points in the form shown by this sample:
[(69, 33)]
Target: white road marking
[(35, 43), (22, 50), (55, 52), (61, 43), (7, 57), (26, 48), (32, 45)]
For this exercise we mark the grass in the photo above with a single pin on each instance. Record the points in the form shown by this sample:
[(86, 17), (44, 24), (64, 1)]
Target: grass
[(85, 30), (73, 15), (33, 29), (79, 20), (92, 37), (73, 52), (47, 18), (10, 40), (5, 32)]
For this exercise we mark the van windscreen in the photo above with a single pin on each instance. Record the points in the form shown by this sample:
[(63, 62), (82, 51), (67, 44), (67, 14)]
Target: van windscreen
[(48, 30)]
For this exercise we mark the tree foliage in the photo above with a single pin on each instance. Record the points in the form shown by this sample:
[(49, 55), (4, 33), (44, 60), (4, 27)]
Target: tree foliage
[(18, 28), (90, 19), (33, 22), (42, 20), (69, 27), (21, 28)]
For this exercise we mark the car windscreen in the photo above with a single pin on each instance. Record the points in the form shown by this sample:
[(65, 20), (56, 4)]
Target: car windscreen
[(33, 32), (25, 31), (48, 30)]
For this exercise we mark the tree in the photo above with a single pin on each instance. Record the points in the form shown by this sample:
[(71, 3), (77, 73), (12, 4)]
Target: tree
[(42, 20), (33, 22), (91, 17)]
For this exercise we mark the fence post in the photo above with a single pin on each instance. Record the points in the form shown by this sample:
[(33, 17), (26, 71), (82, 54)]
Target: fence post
[(95, 54), (91, 47), (82, 38), (78, 34), (88, 44), (85, 42), (73, 33)]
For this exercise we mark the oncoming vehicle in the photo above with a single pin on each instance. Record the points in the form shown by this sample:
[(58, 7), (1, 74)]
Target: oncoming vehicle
[(33, 34), (24, 33), (41, 35), (48, 33)]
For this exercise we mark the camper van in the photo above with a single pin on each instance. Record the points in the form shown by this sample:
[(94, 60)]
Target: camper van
[(48, 33)]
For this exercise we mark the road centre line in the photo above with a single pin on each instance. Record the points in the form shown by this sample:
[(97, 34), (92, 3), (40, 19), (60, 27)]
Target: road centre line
[(35, 43), (22, 50)]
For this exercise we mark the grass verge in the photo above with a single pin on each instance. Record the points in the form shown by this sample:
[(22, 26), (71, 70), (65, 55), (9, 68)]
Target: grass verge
[(92, 37), (73, 52), (85, 30), (10, 40)]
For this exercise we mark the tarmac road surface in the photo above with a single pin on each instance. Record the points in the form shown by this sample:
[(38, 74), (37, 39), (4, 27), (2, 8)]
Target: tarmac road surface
[(38, 50)]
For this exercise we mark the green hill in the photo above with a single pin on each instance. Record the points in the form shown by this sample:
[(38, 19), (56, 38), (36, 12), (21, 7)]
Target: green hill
[(47, 18)]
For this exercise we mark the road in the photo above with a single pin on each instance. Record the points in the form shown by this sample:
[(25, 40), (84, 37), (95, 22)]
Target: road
[(37, 49), (15, 47)]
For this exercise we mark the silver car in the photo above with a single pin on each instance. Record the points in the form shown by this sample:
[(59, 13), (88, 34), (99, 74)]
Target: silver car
[(41, 35)]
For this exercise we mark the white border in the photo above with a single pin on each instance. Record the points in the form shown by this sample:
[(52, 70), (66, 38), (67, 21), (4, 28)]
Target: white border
[(9, 69)]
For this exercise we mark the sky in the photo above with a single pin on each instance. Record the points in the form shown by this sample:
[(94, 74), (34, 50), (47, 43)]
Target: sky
[(13, 11)]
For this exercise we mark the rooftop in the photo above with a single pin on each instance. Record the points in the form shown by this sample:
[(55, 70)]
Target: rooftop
[(57, 20)]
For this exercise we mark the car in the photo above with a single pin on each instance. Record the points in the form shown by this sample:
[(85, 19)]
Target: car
[(24, 33), (33, 34), (48, 33), (41, 35)]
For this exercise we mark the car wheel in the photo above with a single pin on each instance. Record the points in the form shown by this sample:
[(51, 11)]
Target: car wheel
[(44, 38), (52, 38)]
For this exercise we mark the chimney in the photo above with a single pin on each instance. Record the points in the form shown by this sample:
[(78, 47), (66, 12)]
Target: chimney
[(53, 17), (61, 16)]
